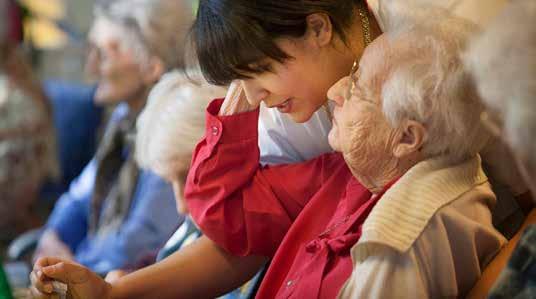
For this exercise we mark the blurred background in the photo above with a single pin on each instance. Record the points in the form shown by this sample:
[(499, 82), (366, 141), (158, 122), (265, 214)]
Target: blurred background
[(50, 41)]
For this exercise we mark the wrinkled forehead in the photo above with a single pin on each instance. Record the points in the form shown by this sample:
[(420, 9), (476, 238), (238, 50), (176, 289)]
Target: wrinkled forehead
[(103, 31), (381, 57), (375, 62)]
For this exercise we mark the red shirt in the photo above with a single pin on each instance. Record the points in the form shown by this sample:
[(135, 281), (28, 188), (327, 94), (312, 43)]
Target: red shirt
[(305, 216)]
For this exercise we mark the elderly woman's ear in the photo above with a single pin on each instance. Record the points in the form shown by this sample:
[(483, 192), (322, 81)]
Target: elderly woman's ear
[(411, 138), (153, 70)]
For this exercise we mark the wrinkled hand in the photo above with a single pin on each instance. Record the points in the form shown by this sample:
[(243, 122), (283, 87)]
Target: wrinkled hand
[(51, 245), (235, 101), (81, 282)]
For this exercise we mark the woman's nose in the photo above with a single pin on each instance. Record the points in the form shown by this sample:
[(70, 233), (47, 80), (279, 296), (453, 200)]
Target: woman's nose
[(254, 93), (338, 91)]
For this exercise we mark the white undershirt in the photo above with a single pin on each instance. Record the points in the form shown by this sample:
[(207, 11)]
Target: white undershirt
[(282, 141)]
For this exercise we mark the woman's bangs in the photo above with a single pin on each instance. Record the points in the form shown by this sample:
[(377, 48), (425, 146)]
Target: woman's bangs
[(226, 52)]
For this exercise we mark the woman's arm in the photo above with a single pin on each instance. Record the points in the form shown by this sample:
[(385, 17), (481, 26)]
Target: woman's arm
[(201, 270), (242, 206)]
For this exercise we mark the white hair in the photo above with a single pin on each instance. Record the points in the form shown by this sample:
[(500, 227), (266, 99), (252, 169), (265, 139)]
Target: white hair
[(503, 62), (172, 123), (161, 26), (427, 83)]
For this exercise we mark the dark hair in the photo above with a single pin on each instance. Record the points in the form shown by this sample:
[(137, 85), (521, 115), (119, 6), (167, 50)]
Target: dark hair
[(231, 37)]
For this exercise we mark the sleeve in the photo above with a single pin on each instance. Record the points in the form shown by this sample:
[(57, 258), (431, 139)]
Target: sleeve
[(70, 215), (243, 207), (151, 221), (387, 274)]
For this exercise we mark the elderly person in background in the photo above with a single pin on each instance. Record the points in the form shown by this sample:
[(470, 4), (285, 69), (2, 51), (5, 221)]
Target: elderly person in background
[(503, 62), (406, 127), (27, 144), (171, 125), (115, 213), (168, 129)]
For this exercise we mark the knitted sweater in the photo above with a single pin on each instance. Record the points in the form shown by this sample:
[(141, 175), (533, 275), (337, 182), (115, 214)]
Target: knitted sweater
[(429, 237)]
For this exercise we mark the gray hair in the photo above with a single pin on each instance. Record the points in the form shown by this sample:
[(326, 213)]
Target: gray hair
[(503, 62), (428, 84), (161, 26), (172, 123)]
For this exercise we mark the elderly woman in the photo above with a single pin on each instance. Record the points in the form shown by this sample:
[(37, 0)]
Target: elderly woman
[(175, 108), (407, 189), (115, 212), (27, 151), (503, 63)]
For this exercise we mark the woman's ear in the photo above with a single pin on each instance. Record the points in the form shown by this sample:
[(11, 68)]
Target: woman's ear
[(153, 70), (410, 140), (319, 29)]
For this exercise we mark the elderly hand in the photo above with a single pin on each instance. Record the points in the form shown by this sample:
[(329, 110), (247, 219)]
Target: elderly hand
[(81, 282), (236, 101), (51, 245)]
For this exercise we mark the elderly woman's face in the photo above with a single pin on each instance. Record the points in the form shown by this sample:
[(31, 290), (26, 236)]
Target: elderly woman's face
[(359, 126), (114, 64)]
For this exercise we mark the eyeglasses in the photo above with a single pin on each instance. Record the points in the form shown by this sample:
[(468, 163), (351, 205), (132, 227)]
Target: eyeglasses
[(353, 79), (367, 40)]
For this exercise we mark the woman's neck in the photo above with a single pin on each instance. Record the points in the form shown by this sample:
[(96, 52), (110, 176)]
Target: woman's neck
[(383, 174)]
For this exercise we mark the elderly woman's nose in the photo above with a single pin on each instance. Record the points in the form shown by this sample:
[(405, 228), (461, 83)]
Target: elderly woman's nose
[(254, 92), (92, 62), (337, 92)]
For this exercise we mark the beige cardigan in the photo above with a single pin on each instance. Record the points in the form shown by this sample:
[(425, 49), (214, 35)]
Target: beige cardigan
[(430, 236)]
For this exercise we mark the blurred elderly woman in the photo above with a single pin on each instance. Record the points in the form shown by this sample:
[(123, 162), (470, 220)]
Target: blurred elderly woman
[(503, 62), (168, 129), (27, 152), (407, 188), (115, 213), (171, 125)]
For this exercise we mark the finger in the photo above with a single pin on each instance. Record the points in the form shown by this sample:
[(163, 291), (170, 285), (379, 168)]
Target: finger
[(41, 282), (67, 272), (47, 261), (234, 91)]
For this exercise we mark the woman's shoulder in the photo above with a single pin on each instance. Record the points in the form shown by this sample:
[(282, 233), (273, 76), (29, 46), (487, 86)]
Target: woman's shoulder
[(464, 217)]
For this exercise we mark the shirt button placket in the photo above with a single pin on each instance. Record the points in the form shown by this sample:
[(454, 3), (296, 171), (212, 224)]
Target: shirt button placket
[(215, 130)]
